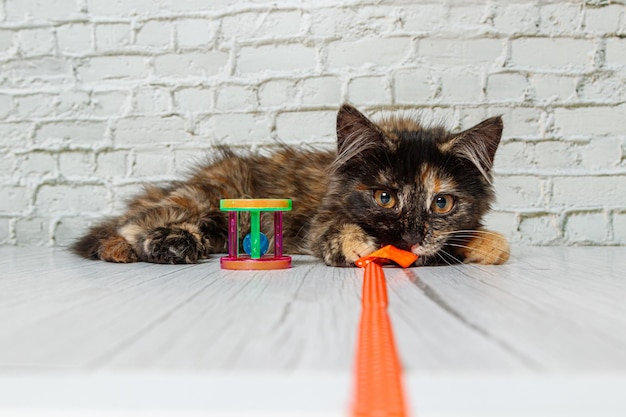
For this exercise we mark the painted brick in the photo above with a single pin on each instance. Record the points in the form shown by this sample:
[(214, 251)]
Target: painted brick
[(275, 58), (502, 222), (556, 154), (506, 87), (76, 164), (39, 9), (7, 39), (109, 103), (512, 156), (149, 130), (455, 52), (33, 231), (306, 126), (369, 90), (152, 100), (111, 164), (559, 19), (586, 228), (354, 23), (552, 52), (72, 133), (277, 24), (235, 97), (517, 18), (86, 198), (603, 88), (45, 68), (66, 229), (550, 87), (413, 86), (186, 65), (153, 163), (37, 164), (15, 134), (154, 33), (385, 52), (539, 229), (5, 232), (603, 20), (278, 92), (460, 87), (619, 228), (42, 105), (5, 105), (102, 68), (75, 38), (424, 18), (194, 33), (601, 153), (586, 192), (122, 8), (587, 121), (35, 42), (519, 122), (321, 91), (14, 199), (616, 51), (193, 100), (235, 128), (518, 191), (112, 36)]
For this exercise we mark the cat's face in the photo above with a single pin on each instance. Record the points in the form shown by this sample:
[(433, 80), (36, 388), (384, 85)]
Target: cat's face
[(422, 190)]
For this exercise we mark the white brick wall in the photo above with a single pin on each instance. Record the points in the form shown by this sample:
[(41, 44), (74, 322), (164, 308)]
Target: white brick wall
[(97, 97)]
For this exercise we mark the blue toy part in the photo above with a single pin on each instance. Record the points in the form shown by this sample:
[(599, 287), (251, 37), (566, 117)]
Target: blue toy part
[(247, 244)]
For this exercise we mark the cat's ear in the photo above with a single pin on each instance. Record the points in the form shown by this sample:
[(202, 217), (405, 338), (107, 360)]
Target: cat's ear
[(355, 132), (478, 144)]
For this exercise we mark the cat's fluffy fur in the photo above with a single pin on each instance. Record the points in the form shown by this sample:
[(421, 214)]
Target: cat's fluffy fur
[(395, 182)]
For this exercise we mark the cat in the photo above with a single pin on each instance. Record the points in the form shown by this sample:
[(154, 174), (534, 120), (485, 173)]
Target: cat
[(395, 182)]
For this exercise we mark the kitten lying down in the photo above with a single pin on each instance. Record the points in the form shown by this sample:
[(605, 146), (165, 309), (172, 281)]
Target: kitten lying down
[(392, 182)]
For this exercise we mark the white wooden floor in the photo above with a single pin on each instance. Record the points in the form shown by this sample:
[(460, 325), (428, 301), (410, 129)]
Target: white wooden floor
[(543, 335)]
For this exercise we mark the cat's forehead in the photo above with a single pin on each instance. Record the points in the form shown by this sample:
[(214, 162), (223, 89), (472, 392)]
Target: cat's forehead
[(435, 179)]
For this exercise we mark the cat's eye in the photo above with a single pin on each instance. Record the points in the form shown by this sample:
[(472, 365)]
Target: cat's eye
[(384, 198), (443, 204)]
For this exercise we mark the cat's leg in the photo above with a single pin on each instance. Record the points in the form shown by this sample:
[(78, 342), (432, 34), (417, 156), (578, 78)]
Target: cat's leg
[(486, 248), (173, 235), (342, 245)]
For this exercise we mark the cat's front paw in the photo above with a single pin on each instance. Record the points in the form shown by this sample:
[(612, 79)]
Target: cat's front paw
[(486, 248), (350, 244), (165, 245)]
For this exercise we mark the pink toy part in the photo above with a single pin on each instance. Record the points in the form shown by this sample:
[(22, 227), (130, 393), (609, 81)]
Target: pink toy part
[(255, 261)]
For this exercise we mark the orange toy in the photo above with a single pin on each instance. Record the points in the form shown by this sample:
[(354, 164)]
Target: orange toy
[(378, 373)]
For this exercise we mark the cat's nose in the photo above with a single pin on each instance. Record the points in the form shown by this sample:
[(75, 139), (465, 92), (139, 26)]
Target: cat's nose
[(413, 238)]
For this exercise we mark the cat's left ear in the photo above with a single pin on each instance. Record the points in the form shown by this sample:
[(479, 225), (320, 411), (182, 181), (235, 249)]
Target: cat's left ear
[(355, 132), (478, 144)]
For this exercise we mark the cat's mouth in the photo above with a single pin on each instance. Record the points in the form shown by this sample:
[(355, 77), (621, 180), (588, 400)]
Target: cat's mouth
[(423, 251)]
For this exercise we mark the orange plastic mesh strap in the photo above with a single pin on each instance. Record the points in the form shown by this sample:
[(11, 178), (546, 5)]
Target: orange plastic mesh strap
[(399, 256), (378, 390)]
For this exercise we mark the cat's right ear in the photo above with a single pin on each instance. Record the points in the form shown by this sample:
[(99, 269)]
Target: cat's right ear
[(355, 132)]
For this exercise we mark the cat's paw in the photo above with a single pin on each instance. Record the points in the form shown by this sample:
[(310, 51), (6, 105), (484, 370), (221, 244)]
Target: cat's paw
[(350, 244), (486, 248), (173, 245)]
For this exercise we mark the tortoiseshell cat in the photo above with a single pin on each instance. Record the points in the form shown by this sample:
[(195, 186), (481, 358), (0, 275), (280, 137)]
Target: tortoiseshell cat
[(424, 190)]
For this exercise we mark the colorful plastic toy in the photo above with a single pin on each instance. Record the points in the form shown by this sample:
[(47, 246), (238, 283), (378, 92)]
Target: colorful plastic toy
[(378, 389), (255, 243)]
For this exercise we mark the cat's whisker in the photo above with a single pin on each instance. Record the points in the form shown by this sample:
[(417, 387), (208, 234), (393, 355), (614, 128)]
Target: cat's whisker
[(473, 249)]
